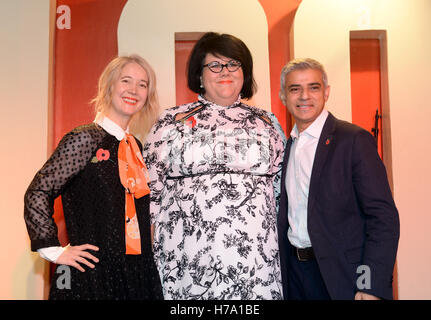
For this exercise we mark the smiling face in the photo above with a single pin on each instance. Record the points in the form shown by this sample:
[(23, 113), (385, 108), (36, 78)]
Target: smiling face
[(129, 94), (306, 96), (221, 88)]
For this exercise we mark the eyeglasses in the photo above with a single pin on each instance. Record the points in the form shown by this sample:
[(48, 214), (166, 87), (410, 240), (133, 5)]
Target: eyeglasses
[(217, 67)]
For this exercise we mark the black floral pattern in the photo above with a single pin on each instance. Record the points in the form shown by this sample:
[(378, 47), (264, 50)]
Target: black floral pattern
[(215, 188)]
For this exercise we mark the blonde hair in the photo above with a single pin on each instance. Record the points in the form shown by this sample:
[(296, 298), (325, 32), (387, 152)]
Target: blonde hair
[(141, 122)]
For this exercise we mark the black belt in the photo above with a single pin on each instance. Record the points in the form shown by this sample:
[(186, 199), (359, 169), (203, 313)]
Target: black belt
[(304, 254)]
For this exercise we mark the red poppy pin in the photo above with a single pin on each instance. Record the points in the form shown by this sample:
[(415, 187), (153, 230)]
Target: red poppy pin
[(191, 122), (327, 141), (101, 155)]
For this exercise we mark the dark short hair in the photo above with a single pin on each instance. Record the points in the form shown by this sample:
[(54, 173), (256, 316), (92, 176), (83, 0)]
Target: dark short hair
[(220, 45)]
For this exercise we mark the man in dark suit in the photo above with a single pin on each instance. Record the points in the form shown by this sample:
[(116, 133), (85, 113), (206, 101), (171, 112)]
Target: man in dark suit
[(338, 224)]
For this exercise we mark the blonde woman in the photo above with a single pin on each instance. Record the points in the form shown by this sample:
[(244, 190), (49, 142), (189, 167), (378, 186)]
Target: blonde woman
[(100, 174)]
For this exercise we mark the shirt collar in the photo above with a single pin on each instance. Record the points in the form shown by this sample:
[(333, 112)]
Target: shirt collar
[(111, 127), (315, 129)]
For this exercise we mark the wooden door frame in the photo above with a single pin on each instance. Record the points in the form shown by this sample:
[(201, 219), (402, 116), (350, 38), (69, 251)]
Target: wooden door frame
[(386, 119), (188, 36), (384, 94)]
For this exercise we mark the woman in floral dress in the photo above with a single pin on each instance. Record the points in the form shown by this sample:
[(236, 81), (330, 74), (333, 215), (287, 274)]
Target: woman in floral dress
[(214, 168)]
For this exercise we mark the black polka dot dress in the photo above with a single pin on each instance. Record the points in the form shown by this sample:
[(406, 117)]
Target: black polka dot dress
[(84, 171)]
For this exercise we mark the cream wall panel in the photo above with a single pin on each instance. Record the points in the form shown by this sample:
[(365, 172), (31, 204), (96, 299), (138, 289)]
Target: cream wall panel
[(23, 126), (148, 28)]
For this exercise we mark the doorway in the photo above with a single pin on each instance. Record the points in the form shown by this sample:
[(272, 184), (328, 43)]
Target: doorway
[(370, 96), (184, 43)]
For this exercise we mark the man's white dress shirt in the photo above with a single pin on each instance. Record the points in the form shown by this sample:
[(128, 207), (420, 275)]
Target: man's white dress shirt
[(301, 159)]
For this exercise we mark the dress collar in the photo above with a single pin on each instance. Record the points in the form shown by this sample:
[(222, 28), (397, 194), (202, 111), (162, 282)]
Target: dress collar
[(206, 102), (111, 127)]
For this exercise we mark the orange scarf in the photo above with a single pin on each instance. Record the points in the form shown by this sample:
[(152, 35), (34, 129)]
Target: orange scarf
[(134, 177)]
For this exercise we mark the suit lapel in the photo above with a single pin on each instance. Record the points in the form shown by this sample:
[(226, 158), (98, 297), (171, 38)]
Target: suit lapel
[(283, 196), (324, 145), (286, 158)]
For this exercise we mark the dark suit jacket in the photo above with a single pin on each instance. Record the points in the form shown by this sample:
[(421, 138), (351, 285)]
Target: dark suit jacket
[(352, 218)]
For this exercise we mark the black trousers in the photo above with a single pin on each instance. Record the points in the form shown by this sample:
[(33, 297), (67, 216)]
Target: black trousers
[(304, 280)]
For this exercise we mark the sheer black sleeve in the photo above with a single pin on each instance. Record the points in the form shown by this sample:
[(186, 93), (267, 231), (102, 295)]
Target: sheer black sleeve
[(69, 158)]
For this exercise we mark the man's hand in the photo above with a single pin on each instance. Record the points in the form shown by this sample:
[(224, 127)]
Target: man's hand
[(365, 296)]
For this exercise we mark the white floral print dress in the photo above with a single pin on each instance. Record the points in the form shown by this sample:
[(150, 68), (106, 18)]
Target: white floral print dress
[(215, 176)]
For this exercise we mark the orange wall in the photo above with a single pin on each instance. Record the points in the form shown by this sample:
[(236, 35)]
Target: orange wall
[(182, 51), (280, 16), (80, 54)]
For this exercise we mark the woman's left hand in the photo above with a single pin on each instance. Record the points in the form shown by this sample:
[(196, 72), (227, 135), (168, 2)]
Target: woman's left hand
[(74, 256)]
